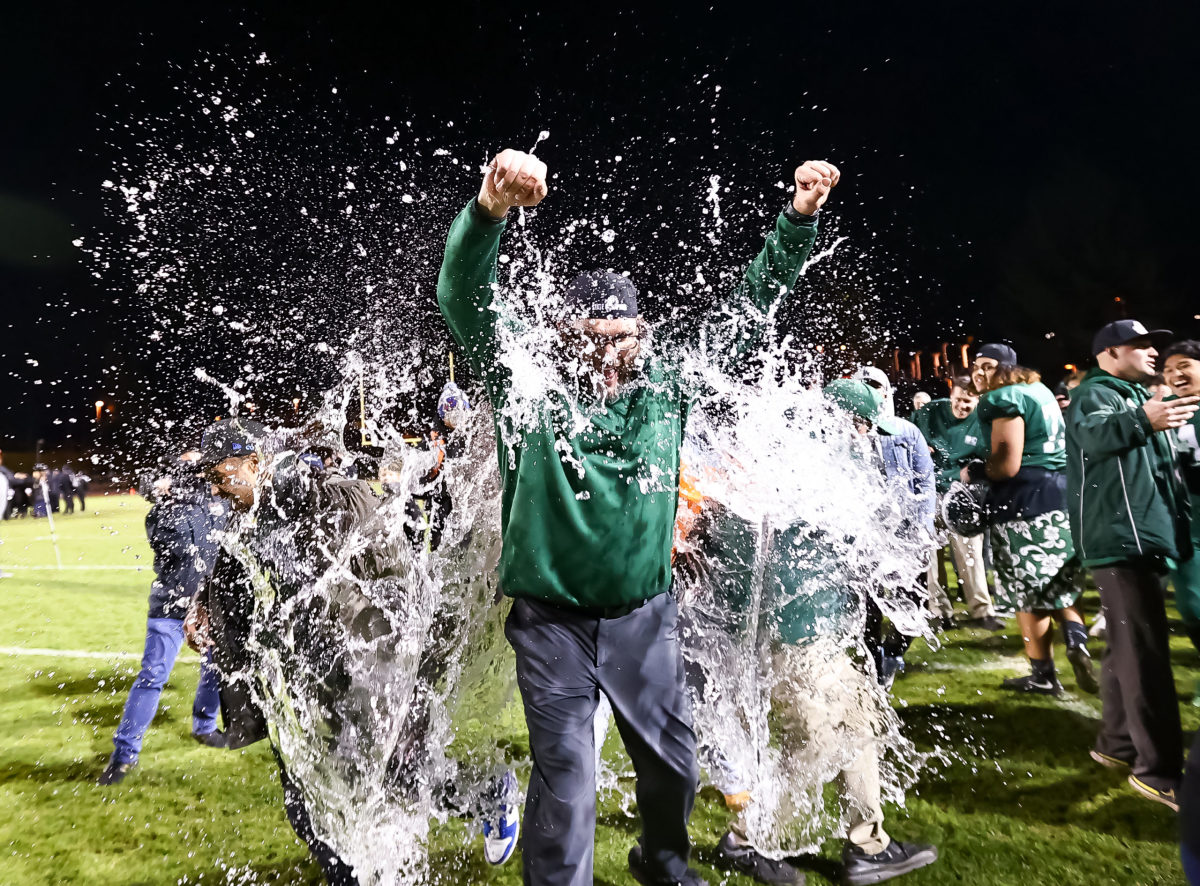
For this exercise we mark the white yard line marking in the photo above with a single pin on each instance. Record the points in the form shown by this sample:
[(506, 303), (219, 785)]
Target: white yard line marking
[(83, 653), (83, 568)]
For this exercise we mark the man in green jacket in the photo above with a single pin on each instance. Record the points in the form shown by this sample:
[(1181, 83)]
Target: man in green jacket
[(589, 467), (1129, 517)]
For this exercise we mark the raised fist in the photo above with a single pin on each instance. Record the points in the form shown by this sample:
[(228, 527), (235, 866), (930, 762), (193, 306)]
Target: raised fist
[(814, 180), (512, 179)]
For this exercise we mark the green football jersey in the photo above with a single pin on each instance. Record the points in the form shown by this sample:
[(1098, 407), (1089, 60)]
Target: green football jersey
[(1045, 430)]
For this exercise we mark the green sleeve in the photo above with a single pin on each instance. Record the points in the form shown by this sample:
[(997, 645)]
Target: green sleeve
[(923, 419), (734, 331), (1001, 403), (465, 290), (1104, 424)]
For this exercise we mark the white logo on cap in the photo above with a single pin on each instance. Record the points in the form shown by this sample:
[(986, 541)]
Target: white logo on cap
[(1138, 328)]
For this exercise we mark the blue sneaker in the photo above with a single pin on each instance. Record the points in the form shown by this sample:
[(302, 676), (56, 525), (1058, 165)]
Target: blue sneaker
[(501, 830)]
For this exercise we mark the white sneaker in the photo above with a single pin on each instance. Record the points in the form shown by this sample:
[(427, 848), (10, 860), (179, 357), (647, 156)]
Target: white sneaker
[(501, 831)]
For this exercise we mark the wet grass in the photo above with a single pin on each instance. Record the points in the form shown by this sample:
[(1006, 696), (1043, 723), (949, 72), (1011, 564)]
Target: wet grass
[(1009, 796)]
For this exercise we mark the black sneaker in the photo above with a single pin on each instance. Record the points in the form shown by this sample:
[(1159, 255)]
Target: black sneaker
[(1164, 793), (988, 623), (114, 772), (899, 858), (747, 860), (1030, 683), (1085, 674), (214, 739), (638, 868), (946, 623)]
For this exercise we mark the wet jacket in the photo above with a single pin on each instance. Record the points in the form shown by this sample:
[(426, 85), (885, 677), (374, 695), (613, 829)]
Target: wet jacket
[(803, 594), (184, 531), (909, 466), (306, 515), (587, 513), (1124, 495)]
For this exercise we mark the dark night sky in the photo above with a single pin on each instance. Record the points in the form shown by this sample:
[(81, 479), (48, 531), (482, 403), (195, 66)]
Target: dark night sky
[(1025, 164)]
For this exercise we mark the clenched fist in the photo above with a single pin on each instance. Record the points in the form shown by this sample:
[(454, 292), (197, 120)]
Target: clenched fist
[(814, 180), (512, 179)]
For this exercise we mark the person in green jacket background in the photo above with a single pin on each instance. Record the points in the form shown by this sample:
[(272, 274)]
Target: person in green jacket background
[(589, 466), (1181, 371), (1037, 571), (1129, 517), (786, 595), (952, 429)]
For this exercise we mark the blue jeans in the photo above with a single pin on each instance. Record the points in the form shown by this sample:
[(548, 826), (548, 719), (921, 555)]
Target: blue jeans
[(164, 637)]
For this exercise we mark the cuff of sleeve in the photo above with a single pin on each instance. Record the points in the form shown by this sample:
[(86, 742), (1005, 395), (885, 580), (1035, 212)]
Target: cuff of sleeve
[(482, 214), (1143, 423), (799, 218)]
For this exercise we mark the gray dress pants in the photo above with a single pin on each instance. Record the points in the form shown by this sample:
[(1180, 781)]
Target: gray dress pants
[(564, 661)]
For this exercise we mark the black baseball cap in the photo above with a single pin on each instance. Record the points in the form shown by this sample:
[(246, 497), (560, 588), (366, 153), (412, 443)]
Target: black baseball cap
[(601, 294), (230, 438), (1121, 332), (1001, 353)]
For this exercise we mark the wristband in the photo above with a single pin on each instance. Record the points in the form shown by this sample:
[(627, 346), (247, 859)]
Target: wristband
[(799, 218)]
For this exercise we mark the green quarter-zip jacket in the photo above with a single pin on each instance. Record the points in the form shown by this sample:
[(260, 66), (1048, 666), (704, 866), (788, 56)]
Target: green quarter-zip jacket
[(1124, 495), (954, 441), (587, 516)]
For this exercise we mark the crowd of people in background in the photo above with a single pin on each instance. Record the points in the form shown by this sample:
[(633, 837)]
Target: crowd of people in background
[(44, 490)]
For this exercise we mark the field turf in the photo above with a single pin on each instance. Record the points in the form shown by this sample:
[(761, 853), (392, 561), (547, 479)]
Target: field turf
[(1012, 799)]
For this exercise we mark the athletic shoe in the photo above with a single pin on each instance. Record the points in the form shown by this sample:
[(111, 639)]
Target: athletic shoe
[(1085, 674), (115, 772), (899, 858), (637, 867), (1166, 796), (946, 623), (1030, 683), (500, 831), (985, 623), (214, 739), (1110, 762), (747, 860)]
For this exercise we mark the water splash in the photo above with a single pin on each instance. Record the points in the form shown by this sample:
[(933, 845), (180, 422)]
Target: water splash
[(305, 263)]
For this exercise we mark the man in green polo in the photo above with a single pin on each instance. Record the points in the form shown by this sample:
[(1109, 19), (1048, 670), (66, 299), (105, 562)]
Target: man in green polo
[(589, 468)]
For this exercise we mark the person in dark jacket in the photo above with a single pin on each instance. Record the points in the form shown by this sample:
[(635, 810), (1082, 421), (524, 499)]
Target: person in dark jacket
[(8, 485), (184, 528), (81, 482), (287, 596), (66, 488), (37, 490), (1129, 516)]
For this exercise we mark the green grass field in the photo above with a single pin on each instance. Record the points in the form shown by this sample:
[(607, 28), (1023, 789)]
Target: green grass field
[(1015, 800)]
